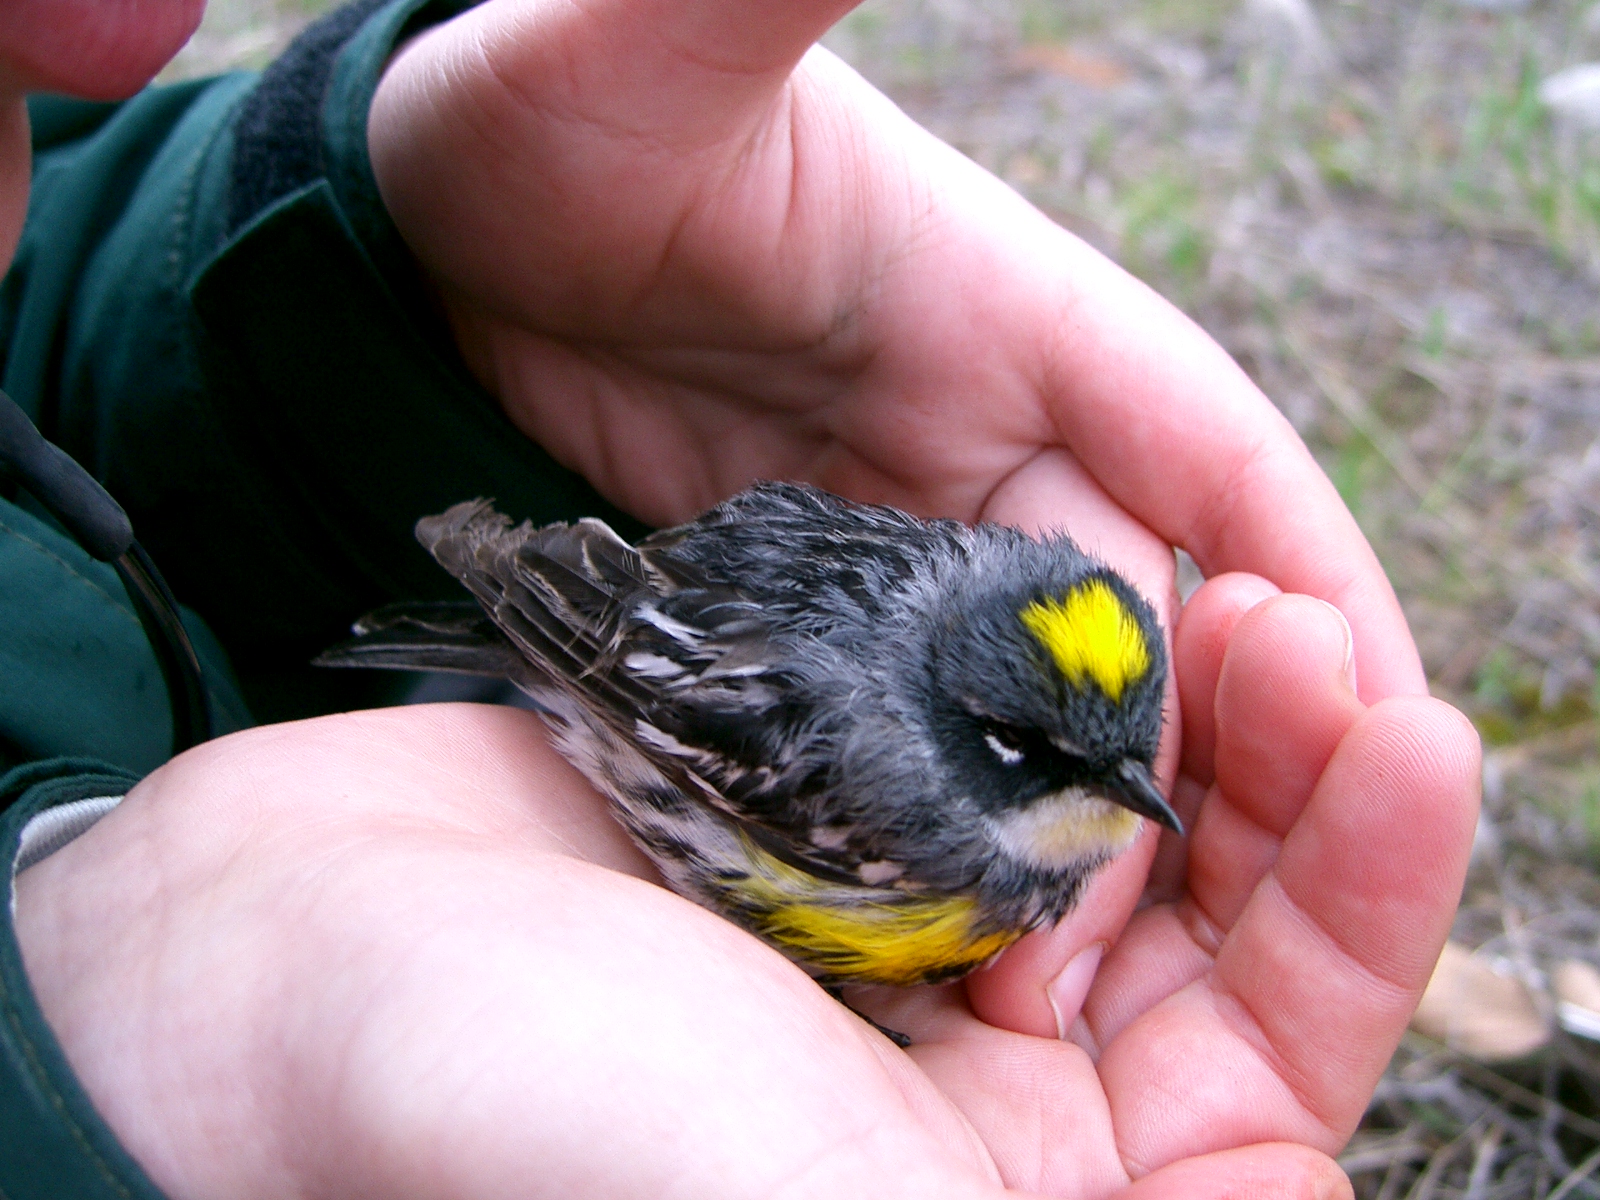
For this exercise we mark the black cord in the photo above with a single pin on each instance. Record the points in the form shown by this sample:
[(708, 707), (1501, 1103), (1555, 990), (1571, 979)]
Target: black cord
[(158, 613), (86, 510), (71, 494)]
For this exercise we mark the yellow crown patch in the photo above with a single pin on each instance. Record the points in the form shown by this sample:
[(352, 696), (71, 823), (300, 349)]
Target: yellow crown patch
[(1091, 635)]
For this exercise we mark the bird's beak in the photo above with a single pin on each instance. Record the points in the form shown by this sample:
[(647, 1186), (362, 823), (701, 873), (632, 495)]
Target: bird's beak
[(1134, 789)]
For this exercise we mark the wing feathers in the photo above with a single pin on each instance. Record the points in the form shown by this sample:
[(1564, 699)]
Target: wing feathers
[(452, 636), (680, 667)]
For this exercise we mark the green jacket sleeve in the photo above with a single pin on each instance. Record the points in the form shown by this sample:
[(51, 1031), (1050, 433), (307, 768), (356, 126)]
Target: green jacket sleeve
[(53, 1144), (77, 674), (211, 309)]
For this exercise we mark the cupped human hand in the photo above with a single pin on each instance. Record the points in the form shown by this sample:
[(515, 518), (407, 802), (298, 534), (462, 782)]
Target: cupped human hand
[(1258, 994), (408, 952), (688, 249)]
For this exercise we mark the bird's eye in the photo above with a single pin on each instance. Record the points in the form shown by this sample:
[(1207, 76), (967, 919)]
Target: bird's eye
[(1006, 742)]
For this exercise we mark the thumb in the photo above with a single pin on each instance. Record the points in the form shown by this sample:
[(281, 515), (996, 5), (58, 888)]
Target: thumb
[(549, 159), (687, 70)]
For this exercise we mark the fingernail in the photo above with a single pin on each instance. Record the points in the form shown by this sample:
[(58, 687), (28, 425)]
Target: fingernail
[(1080, 1036), (1349, 646), (1067, 990)]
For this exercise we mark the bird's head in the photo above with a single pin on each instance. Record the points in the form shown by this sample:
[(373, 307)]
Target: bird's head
[(1048, 672)]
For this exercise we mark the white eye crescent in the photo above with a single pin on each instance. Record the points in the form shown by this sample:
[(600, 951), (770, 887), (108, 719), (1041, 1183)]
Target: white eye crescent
[(1009, 755)]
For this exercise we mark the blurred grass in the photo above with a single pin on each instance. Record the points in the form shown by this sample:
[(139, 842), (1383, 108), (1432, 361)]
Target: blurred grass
[(1367, 203), (242, 34), (1370, 206)]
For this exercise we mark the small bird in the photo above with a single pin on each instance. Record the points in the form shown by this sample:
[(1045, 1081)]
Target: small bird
[(888, 747)]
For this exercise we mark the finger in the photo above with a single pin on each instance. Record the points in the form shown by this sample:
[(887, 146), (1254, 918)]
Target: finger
[(650, 71), (1178, 434), (1284, 699), (1204, 629), (95, 51), (1280, 703), (1275, 1171), (1039, 1108), (1156, 957), (1038, 986), (1287, 1037), (1036, 1105), (1371, 878), (553, 162), (1283, 703), (687, 71), (1169, 869), (1052, 493)]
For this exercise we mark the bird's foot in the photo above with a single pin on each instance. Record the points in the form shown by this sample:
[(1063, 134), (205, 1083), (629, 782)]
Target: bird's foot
[(894, 1035)]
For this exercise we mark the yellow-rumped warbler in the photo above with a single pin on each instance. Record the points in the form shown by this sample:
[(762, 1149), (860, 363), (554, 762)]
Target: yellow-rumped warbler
[(889, 747)]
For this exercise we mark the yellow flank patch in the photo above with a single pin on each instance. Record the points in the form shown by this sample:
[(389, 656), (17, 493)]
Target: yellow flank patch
[(854, 937), (904, 944), (1091, 635)]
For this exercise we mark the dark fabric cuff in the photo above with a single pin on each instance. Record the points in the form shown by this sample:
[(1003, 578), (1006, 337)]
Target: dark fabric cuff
[(53, 1145), (306, 122)]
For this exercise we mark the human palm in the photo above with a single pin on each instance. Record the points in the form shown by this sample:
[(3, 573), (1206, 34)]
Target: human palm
[(409, 952), (686, 251)]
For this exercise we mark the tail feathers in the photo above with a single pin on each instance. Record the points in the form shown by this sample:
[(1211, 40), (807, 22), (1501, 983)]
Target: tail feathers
[(451, 636), (451, 618), (454, 534), (580, 568), (556, 594)]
